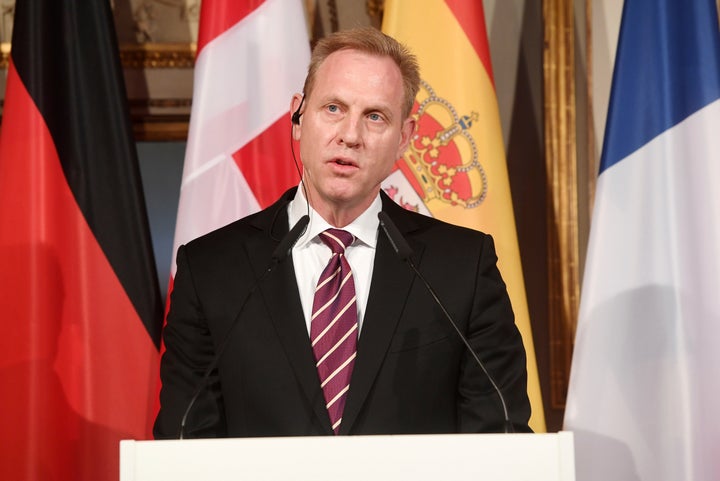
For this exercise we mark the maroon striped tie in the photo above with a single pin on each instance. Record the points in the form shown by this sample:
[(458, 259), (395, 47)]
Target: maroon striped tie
[(333, 329)]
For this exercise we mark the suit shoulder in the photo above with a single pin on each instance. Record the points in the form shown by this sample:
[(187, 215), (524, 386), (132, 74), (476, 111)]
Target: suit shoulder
[(226, 235)]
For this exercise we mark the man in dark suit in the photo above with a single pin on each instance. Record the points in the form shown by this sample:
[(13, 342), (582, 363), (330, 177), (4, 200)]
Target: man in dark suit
[(341, 337)]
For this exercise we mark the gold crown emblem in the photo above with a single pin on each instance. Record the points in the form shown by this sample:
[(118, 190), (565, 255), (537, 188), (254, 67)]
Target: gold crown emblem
[(442, 157)]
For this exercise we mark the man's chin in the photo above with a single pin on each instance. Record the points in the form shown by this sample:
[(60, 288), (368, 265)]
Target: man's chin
[(349, 197)]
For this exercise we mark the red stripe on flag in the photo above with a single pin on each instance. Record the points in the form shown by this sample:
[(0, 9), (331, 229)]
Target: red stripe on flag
[(75, 359), (267, 164), (471, 17), (219, 15)]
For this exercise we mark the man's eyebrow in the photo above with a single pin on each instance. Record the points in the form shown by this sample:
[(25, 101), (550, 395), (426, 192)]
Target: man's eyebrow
[(331, 99)]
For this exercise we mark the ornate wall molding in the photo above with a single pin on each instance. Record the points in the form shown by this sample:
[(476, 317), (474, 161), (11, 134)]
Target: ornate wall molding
[(4, 54), (158, 55), (157, 50)]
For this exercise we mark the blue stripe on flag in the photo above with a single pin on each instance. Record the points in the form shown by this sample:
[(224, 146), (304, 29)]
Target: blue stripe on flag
[(664, 71)]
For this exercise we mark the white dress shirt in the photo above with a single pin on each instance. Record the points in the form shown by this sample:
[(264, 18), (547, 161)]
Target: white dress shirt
[(310, 255)]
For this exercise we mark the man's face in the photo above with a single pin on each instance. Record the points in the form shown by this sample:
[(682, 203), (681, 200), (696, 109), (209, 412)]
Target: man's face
[(351, 131)]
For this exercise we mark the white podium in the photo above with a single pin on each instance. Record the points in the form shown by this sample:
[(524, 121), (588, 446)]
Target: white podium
[(496, 457)]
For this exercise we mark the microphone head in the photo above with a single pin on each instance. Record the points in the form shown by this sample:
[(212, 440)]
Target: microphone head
[(398, 242), (287, 242)]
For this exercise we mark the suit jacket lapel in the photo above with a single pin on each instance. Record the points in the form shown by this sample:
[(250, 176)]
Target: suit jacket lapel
[(283, 303), (391, 282)]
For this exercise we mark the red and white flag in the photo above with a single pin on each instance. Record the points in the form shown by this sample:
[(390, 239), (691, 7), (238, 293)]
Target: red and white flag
[(252, 57)]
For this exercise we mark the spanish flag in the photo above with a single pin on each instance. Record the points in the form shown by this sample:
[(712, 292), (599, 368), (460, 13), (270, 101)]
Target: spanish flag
[(455, 168)]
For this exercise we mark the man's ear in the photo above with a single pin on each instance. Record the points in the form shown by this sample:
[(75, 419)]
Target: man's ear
[(296, 114), (406, 134)]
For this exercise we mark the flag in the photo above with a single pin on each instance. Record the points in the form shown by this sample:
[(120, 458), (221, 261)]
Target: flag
[(252, 56), (79, 295), (455, 168), (645, 375)]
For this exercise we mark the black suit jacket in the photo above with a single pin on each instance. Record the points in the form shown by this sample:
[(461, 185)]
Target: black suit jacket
[(412, 373)]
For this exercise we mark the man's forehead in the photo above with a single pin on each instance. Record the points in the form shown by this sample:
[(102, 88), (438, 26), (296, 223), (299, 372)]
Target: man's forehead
[(346, 54), (347, 63)]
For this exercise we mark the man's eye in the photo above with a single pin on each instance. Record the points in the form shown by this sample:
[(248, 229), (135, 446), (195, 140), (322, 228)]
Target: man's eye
[(332, 108), (375, 117)]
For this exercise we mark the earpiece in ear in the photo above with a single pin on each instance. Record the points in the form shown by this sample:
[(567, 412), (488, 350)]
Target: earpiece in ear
[(295, 119)]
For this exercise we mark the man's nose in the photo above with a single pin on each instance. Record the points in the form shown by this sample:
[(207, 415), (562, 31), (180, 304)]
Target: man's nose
[(350, 130)]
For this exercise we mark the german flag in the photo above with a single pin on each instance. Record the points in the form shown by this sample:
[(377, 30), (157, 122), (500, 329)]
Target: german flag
[(79, 297)]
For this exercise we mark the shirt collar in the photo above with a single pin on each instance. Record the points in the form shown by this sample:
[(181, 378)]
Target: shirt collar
[(364, 227)]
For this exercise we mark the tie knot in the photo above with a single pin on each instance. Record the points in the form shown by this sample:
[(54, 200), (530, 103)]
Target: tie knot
[(337, 239)]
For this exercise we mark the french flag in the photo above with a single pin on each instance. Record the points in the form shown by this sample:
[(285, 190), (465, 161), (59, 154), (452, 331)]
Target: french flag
[(645, 379)]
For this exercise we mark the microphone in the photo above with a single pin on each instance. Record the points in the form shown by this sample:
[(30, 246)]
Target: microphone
[(404, 252), (279, 254), (287, 242)]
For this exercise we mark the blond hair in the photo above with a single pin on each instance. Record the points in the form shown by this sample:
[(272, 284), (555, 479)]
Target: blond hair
[(371, 41)]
